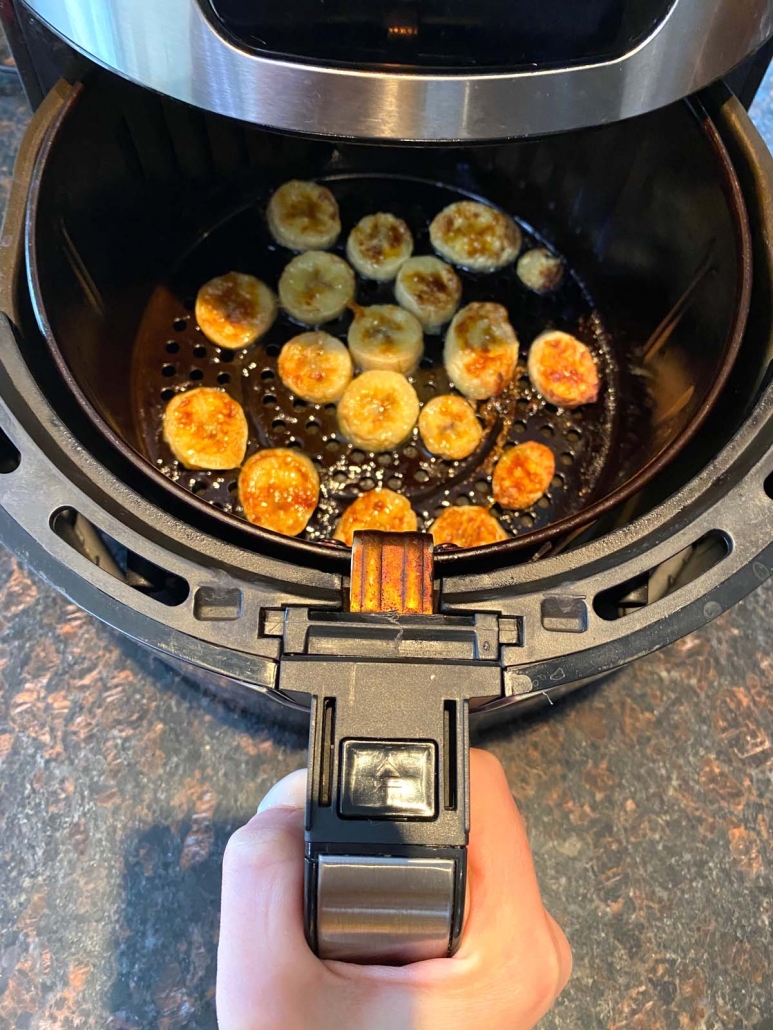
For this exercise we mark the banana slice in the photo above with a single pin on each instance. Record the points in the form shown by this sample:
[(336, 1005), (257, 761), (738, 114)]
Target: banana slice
[(377, 509), (562, 370), (235, 310), (430, 289), (481, 350), (470, 526), (522, 475), (386, 337), (279, 490), (206, 429), (540, 270), (449, 428), (316, 287), (378, 410), (315, 366), (378, 245), (475, 236), (304, 216)]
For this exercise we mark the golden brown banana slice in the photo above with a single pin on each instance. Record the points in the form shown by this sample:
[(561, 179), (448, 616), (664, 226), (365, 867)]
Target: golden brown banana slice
[(384, 336), (377, 509), (304, 216), (562, 370), (430, 289), (540, 270), (315, 366), (206, 429), (378, 410), (235, 310), (522, 475), (469, 526), (279, 490), (316, 287), (475, 236), (481, 350), (449, 427), (378, 245)]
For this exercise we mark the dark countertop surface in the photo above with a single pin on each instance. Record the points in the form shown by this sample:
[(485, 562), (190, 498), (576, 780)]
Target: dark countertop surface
[(647, 797)]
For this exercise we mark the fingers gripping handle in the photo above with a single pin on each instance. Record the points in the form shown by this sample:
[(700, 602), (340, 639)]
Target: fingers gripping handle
[(387, 815)]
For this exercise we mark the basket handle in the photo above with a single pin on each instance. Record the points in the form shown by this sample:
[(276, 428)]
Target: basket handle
[(387, 813)]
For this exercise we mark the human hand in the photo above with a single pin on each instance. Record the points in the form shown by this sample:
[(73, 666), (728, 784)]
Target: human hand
[(513, 961)]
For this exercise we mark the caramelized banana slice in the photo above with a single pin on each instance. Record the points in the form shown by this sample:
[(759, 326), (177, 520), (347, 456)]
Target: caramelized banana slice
[(315, 366), (475, 236), (206, 429), (470, 526), (430, 289), (563, 371), (449, 428), (377, 509), (386, 337), (378, 410), (522, 475), (235, 310), (279, 490), (378, 245), (540, 270), (481, 350), (316, 287), (304, 216)]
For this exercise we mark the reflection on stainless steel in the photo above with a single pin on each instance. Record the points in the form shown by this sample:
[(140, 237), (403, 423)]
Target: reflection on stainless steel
[(173, 48), (384, 909)]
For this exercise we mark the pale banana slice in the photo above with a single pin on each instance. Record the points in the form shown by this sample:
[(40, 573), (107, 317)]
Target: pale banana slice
[(316, 367), (469, 526), (522, 475), (540, 270), (481, 350), (304, 216), (378, 245), (449, 428), (384, 336), (377, 509), (378, 410), (430, 289), (206, 429), (562, 370), (316, 287), (235, 310), (279, 490), (475, 236)]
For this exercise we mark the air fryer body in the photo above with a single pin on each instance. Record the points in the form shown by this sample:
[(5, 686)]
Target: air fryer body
[(421, 71), (665, 203)]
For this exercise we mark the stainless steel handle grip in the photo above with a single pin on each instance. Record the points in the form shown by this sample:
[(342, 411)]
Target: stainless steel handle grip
[(393, 910)]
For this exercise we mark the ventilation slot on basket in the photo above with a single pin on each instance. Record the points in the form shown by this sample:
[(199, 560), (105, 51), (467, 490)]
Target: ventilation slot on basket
[(767, 485), (665, 579), (118, 561), (10, 458), (213, 604)]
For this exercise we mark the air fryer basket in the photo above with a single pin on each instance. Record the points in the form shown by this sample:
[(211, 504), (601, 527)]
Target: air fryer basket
[(648, 214), (206, 591)]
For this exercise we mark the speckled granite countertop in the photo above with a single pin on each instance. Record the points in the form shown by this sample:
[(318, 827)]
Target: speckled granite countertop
[(648, 799)]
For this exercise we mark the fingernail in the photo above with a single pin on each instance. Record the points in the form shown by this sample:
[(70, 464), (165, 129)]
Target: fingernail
[(289, 792)]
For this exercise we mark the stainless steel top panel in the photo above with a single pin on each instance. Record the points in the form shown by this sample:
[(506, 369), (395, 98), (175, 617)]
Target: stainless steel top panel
[(172, 47)]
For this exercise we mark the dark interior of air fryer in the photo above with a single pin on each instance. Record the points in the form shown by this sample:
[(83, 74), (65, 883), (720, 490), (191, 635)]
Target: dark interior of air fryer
[(642, 214)]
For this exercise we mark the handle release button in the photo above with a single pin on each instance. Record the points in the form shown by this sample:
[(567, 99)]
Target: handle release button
[(383, 779)]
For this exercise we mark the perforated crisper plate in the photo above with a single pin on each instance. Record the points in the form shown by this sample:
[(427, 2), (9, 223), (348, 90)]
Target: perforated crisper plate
[(171, 355)]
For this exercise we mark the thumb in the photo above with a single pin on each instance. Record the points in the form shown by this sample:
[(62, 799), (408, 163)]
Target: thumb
[(261, 923)]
